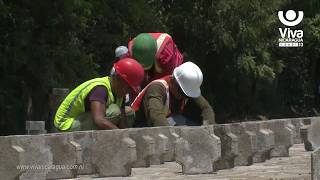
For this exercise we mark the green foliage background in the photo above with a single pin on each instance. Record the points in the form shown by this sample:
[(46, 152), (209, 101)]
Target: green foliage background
[(61, 43)]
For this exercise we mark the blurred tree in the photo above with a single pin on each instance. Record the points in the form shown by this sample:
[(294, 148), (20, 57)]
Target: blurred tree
[(46, 44), (40, 49), (114, 23), (232, 41)]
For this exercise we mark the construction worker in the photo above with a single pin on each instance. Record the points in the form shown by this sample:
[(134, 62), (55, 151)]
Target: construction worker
[(121, 52), (157, 53), (99, 103), (174, 100)]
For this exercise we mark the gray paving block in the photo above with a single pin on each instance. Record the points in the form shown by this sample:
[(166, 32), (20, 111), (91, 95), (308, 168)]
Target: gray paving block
[(264, 140), (112, 153), (288, 123), (310, 133), (66, 156), (85, 139), (161, 143), (11, 157), (229, 146), (298, 123), (247, 144), (145, 147), (197, 150), (171, 133), (37, 155), (314, 132), (35, 127), (306, 120), (283, 138), (304, 130), (315, 164)]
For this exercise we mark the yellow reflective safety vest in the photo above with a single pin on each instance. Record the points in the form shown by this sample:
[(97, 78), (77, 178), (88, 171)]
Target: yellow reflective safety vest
[(74, 104)]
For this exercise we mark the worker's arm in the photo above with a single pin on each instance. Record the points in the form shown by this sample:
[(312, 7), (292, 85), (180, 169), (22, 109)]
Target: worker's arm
[(98, 111), (207, 112), (154, 105)]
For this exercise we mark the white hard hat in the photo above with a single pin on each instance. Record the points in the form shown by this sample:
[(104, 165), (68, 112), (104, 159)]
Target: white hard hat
[(189, 77), (120, 51)]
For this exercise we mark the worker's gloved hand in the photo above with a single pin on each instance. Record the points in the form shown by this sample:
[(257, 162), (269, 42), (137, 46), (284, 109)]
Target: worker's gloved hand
[(113, 113), (171, 121), (129, 116)]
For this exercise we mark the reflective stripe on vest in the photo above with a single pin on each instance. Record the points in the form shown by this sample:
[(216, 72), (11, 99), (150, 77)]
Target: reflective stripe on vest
[(137, 101), (161, 39), (74, 104)]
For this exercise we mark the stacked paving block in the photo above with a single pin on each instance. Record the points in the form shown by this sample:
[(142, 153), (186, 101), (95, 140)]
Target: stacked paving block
[(197, 150), (283, 138), (248, 149), (315, 164), (66, 153), (112, 153), (264, 140), (145, 147), (310, 133), (229, 146), (109, 153), (35, 127)]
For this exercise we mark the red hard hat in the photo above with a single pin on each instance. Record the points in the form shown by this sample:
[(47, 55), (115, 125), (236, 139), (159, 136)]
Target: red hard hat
[(131, 71)]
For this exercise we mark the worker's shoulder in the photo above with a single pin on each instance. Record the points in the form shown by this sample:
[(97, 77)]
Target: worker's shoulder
[(156, 88)]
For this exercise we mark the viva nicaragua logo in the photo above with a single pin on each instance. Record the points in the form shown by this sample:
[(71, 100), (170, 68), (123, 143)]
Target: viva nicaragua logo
[(290, 37)]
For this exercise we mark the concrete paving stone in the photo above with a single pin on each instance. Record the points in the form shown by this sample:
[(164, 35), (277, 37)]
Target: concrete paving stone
[(314, 133), (310, 133), (298, 123), (247, 144), (288, 123), (197, 150), (304, 130), (161, 143), (145, 147), (172, 134), (306, 120), (67, 156), (37, 155), (85, 139), (264, 140), (315, 164), (229, 146), (283, 138), (112, 153), (11, 157), (35, 127)]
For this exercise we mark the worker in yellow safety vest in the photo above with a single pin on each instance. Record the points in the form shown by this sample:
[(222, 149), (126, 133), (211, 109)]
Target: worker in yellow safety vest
[(99, 103)]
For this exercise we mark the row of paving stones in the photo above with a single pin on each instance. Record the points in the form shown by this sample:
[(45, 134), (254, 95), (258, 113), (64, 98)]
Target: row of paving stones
[(203, 149), (310, 136)]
